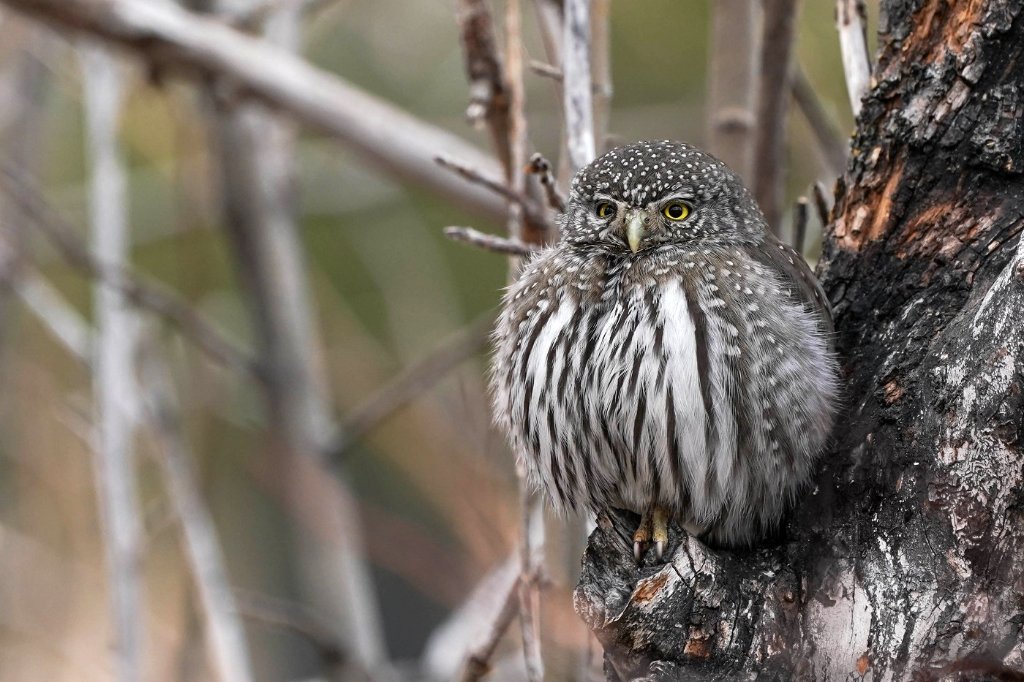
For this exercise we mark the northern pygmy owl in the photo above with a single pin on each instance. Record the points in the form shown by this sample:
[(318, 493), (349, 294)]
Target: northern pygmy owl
[(668, 355)]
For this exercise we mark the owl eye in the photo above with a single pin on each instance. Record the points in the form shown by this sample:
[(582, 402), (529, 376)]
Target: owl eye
[(605, 209), (676, 211)]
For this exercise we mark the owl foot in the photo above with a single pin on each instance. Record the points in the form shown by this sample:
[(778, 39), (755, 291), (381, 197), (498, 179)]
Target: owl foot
[(642, 536), (653, 526)]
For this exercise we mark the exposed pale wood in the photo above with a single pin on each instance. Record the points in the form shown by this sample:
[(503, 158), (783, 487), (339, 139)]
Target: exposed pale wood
[(851, 20)]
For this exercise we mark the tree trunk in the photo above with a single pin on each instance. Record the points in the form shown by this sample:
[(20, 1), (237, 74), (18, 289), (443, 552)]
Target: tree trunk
[(905, 561)]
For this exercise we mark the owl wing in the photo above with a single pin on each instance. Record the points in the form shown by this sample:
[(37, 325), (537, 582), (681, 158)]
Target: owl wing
[(805, 288)]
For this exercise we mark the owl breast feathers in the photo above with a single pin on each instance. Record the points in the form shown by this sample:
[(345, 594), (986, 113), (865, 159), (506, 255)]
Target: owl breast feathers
[(669, 352)]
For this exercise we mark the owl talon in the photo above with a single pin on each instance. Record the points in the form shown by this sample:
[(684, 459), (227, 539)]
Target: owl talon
[(642, 536), (660, 531)]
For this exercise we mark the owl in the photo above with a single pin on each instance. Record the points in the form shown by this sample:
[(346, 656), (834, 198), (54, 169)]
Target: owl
[(669, 355)]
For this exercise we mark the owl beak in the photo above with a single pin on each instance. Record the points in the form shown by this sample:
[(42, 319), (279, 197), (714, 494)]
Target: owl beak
[(635, 231)]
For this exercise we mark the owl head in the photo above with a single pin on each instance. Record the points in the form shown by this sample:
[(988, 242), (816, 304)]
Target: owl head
[(643, 195)]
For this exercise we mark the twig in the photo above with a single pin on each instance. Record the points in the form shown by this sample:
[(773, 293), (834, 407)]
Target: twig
[(532, 214), (799, 224), (173, 40), (113, 385), (531, 557), (821, 203), (541, 167), (733, 83), (478, 662), (489, 242), (54, 312), (528, 602), (546, 70), (550, 19), (26, 196), (296, 618), (224, 632), (776, 48), (410, 383), (851, 21), (468, 638), (471, 174), (832, 143), (579, 110)]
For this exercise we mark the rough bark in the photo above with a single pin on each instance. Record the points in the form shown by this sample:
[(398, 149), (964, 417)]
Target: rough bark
[(905, 560)]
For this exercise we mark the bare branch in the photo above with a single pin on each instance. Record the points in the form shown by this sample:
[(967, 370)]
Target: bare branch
[(471, 174), (773, 96), (516, 226), (113, 384), (173, 40), (488, 89), (26, 196), (225, 636), (546, 70), (478, 662), (733, 83), (832, 144), (579, 109), (411, 383), (550, 18), (541, 167), (489, 242), (54, 312), (531, 558), (851, 20)]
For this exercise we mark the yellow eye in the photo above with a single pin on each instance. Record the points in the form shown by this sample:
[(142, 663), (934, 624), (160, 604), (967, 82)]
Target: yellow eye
[(605, 209), (677, 211)]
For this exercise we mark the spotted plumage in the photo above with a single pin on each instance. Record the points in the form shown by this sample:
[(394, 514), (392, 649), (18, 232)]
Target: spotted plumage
[(657, 363)]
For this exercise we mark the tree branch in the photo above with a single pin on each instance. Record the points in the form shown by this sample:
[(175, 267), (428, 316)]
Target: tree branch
[(410, 383), (225, 635), (489, 242), (832, 144), (173, 40), (114, 386)]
